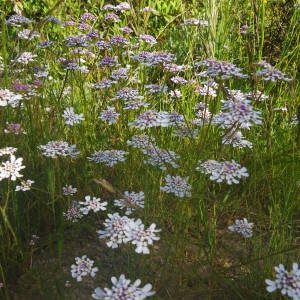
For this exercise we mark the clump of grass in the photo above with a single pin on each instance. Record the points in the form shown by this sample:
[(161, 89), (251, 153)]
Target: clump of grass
[(165, 129)]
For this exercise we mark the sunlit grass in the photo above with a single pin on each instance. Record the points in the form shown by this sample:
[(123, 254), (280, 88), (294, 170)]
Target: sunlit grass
[(196, 255)]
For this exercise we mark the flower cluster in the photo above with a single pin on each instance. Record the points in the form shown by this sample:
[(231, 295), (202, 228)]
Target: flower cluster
[(238, 113), (93, 204), (25, 185), (18, 20), (152, 118), (203, 115), (177, 185), (69, 190), (131, 201), (83, 266), (160, 157), (121, 73), (195, 22), (123, 230), (27, 34), (10, 98), (26, 57), (206, 90), (73, 213), (286, 281), (231, 172), (156, 88), (151, 59), (123, 289), (105, 83), (270, 73), (54, 149), (141, 237), (156, 156), (216, 68), (141, 141), (115, 230), (10, 169), (7, 151), (242, 227), (236, 139), (71, 118), (128, 94), (14, 128), (110, 115), (148, 39), (108, 157)]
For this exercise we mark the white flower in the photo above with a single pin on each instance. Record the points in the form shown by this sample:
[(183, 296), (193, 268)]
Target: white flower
[(148, 9), (175, 93), (123, 289), (69, 190), (177, 185), (231, 172), (270, 73), (7, 151), (25, 186), (108, 157), (140, 237), (131, 201), (142, 141), (73, 213), (59, 148), (152, 118), (242, 227), (92, 204), (235, 138), (123, 230), (10, 169), (160, 157), (109, 115), (9, 98), (71, 118), (237, 111), (83, 267), (287, 282), (203, 115), (148, 39), (115, 230), (27, 34), (26, 57), (206, 90)]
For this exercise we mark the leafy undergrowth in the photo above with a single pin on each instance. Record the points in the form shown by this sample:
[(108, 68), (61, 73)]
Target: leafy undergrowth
[(155, 142)]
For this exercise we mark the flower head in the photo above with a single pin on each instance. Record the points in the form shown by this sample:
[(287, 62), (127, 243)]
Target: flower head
[(71, 118), (108, 157), (231, 172), (177, 185), (83, 266), (10, 169), (286, 281), (242, 227), (54, 149), (123, 289), (93, 204), (25, 185), (131, 201)]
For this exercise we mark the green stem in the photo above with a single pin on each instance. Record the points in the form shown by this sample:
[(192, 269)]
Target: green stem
[(4, 50), (262, 31)]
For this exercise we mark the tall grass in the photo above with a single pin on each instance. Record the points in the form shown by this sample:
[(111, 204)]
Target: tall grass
[(196, 257)]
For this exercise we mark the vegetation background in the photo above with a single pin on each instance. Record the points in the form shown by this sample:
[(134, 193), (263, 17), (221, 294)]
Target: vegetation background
[(196, 257)]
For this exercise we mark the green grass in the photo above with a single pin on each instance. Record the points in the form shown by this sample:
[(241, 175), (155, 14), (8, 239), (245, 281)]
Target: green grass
[(196, 256)]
